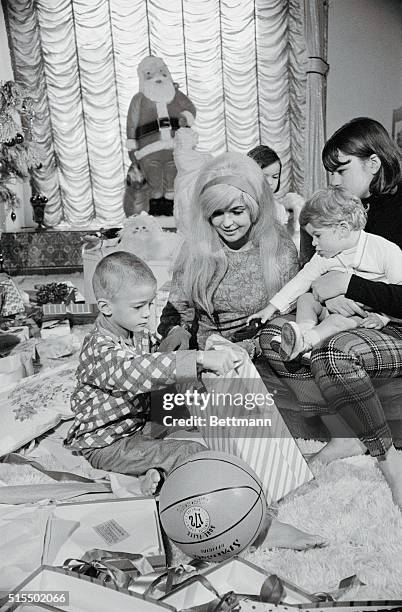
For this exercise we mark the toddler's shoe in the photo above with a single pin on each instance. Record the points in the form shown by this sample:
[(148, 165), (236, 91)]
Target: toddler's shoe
[(306, 358), (293, 342), (275, 343)]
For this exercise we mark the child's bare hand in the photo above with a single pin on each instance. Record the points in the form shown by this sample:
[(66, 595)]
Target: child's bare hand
[(372, 321), (265, 314), (221, 360)]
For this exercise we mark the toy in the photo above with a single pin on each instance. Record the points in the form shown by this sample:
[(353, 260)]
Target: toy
[(143, 236), (212, 506), (154, 115), (248, 331)]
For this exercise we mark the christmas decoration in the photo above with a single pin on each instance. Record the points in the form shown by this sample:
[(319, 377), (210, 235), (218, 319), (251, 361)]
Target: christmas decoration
[(53, 293), (18, 149), (155, 113), (38, 203)]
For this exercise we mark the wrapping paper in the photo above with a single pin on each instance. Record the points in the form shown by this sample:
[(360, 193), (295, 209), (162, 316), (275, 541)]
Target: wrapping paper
[(270, 451)]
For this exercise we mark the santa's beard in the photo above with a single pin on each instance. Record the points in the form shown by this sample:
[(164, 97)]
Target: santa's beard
[(158, 92)]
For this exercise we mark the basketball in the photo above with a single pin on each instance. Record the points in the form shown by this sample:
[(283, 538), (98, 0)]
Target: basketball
[(212, 506)]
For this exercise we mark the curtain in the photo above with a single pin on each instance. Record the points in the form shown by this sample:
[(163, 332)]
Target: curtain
[(316, 19), (242, 63)]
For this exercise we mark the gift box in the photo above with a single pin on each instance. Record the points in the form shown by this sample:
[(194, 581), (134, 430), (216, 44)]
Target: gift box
[(54, 310), (238, 576), (77, 313), (55, 328), (250, 427), (21, 332), (353, 606), (60, 589), (162, 296), (347, 606), (125, 525), (15, 367), (11, 301), (157, 306)]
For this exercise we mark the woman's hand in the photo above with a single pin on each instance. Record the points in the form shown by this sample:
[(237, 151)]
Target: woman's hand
[(265, 314), (221, 360), (330, 285), (344, 306), (373, 321), (177, 339)]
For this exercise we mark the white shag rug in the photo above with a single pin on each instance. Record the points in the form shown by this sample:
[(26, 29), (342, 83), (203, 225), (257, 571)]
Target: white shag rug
[(350, 505)]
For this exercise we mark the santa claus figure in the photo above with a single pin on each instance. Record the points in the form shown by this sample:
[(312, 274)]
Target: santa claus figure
[(154, 115)]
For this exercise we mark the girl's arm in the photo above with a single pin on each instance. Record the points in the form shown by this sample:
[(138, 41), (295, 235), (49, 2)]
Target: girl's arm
[(379, 296)]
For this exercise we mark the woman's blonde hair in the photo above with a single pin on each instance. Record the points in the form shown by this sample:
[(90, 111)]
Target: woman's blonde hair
[(202, 260)]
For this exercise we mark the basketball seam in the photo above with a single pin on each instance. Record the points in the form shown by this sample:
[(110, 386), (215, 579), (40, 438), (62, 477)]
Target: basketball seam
[(184, 499), (193, 459), (226, 530)]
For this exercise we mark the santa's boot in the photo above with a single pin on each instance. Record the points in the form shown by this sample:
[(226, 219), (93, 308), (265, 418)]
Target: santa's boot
[(156, 206), (168, 207)]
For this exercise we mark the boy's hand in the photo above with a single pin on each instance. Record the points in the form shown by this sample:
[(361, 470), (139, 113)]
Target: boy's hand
[(372, 321), (265, 314), (177, 339), (221, 360)]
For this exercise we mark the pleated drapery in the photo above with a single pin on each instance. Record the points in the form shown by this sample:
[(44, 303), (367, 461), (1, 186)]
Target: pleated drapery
[(316, 18), (242, 62)]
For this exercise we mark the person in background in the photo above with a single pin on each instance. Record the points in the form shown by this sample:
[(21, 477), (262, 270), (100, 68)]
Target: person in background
[(287, 206)]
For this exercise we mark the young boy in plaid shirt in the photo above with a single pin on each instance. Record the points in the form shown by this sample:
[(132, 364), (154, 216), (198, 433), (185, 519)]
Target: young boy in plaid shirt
[(118, 369)]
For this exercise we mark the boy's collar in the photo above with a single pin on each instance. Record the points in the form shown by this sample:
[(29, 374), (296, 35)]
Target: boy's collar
[(106, 324)]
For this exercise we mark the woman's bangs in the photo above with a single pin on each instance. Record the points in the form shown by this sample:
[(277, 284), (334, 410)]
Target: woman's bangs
[(330, 158), (220, 198)]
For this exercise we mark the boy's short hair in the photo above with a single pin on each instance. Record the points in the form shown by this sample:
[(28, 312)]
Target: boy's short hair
[(116, 270), (331, 206)]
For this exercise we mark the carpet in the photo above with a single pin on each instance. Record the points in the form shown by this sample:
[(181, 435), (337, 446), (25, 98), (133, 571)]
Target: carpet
[(350, 505)]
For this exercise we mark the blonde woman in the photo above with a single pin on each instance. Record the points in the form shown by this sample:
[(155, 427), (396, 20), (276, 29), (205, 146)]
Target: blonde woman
[(235, 257)]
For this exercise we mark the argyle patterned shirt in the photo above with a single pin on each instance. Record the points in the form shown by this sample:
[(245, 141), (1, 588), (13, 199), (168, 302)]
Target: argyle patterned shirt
[(115, 376)]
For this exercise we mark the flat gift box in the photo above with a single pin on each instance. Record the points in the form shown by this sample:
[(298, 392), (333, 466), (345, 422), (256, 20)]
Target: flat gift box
[(124, 525), (55, 328), (15, 367), (337, 606), (353, 606), (237, 575), (84, 594), (73, 308)]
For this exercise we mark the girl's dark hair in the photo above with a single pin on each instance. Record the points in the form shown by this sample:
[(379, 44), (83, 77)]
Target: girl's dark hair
[(363, 137), (265, 156)]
